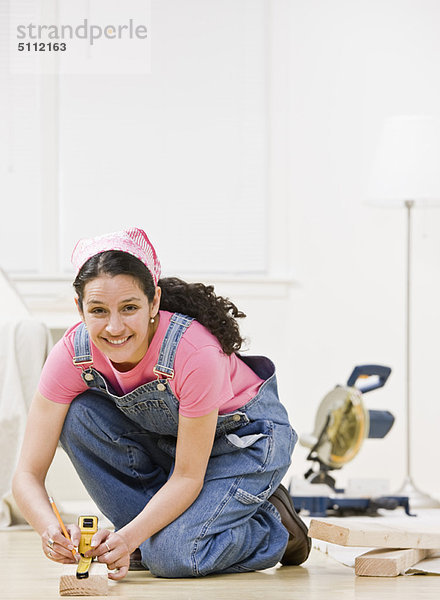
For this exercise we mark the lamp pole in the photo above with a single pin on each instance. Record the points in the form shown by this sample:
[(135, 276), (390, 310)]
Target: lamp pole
[(408, 204), (416, 498), (405, 174)]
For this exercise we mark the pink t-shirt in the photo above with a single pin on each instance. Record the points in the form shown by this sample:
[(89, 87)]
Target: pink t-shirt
[(205, 378)]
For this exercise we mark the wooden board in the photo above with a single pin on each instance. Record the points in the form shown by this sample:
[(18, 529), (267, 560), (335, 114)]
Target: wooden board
[(385, 562), (96, 583), (376, 534)]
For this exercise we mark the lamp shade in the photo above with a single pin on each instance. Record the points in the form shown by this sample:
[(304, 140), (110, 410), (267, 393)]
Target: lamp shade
[(407, 162)]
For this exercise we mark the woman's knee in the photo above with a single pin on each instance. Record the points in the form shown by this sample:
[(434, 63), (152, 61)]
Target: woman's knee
[(168, 556), (172, 552), (171, 564)]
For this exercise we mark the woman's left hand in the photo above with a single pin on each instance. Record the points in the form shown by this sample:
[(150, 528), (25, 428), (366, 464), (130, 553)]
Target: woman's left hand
[(112, 549)]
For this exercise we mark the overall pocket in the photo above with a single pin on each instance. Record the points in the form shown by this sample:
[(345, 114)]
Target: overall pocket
[(247, 449), (246, 497), (152, 413)]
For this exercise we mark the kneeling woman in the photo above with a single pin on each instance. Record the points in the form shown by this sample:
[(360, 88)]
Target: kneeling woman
[(181, 442)]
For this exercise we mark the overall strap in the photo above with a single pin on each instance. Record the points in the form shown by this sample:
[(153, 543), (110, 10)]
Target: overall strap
[(81, 347), (177, 327)]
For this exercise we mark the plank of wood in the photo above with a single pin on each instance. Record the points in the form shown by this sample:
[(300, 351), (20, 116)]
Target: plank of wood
[(384, 562), (96, 584), (374, 534)]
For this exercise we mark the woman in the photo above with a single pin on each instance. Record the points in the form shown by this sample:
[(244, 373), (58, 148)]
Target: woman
[(181, 442)]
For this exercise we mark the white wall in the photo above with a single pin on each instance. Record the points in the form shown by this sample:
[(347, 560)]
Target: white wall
[(335, 70), (351, 65)]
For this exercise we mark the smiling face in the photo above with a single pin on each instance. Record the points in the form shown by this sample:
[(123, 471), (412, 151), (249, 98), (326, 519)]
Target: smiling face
[(117, 314)]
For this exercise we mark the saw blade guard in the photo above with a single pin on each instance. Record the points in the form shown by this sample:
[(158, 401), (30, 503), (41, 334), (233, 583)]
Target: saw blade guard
[(341, 425), (342, 421)]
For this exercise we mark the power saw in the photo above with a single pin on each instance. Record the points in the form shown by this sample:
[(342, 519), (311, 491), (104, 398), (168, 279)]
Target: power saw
[(342, 423)]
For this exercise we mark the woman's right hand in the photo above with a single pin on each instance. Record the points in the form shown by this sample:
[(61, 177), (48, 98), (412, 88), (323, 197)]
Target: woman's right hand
[(57, 547)]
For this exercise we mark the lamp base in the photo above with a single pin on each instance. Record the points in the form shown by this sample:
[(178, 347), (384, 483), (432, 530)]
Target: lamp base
[(417, 499)]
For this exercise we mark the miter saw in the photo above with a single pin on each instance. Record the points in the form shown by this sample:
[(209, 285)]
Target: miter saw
[(342, 424)]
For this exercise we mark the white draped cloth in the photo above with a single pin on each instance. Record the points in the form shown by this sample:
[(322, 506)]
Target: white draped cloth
[(24, 345)]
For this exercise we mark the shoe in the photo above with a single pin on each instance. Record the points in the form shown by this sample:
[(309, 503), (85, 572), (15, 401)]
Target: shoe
[(299, 544), (136, 561)]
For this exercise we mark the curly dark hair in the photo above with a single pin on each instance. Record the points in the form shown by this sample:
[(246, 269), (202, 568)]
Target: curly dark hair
[(196, 300)]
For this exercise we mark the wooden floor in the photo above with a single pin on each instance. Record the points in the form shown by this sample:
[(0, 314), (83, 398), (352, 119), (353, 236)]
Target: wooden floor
[(26, 573)]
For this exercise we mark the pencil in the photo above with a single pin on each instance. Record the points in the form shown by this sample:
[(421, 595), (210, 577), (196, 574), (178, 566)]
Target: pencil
[(60, 521)]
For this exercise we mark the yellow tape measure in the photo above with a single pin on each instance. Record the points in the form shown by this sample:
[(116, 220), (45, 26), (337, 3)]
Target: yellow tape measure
[(88, 526)]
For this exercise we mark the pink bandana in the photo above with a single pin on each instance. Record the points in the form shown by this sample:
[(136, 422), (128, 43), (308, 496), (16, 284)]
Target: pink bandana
[(133, 241)]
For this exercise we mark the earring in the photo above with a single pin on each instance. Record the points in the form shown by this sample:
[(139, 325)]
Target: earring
[(152, 319)]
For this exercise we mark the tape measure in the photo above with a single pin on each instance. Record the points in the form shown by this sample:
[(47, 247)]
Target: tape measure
[(88, 526)]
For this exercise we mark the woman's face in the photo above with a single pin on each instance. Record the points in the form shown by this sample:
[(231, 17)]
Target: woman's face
[(117, 315)]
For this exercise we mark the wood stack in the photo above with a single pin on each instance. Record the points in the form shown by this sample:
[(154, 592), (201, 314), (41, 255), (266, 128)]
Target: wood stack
[(397, 547)]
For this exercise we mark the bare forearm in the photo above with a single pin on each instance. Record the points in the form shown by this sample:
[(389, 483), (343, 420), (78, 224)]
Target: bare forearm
[(31, 497), (44, 424), (166, 505)]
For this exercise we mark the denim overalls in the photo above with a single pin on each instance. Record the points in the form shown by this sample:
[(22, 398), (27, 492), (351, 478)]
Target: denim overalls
[(123, 448)]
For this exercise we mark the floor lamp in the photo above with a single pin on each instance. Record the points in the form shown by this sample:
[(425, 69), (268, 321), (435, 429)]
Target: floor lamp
[(406, 175)]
